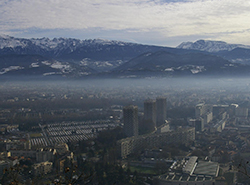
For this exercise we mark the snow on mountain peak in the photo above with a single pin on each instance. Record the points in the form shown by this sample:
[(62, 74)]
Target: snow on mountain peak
[(3, 36), (11, 42), (210, 46), (106, 42), (46, 43), (54, 44), (185, 45), (101, 41)]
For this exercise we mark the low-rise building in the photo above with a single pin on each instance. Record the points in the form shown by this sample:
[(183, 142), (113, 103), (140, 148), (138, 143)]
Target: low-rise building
[(23, 153), (132, 144), (17, 144), (45, 154), (42, 168), (190, 172), (40, 155), (163, 128), (219, 126)]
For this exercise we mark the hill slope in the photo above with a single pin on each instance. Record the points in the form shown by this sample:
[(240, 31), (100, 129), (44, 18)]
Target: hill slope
[(165, 63)]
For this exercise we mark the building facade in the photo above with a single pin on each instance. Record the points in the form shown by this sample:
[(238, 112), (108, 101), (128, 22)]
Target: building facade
[(199, 125), (202, 109), (161, 110), (45, 154), (130, 116), (149, 115), (129, 145)]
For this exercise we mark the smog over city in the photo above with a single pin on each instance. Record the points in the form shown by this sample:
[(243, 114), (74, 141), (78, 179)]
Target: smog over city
[(142, 92)]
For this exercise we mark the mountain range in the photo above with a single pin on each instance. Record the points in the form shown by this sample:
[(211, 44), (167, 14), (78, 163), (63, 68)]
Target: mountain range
[(236, 53), (80, 58)]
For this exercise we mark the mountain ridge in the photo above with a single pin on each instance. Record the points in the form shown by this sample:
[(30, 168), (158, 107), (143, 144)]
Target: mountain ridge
[(211, 46), (96, 57), (169, 64)]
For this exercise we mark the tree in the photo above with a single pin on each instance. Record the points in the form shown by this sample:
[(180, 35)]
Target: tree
[(71, 175), (12, 176)]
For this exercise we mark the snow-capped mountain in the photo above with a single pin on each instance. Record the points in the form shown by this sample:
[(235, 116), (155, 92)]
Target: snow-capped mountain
[(48, 44), (69, 49), (102, 54), (210, 46), (84, 56), (75, 57)]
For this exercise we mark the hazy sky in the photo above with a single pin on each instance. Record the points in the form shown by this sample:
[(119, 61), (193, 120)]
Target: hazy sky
[(158, 22)]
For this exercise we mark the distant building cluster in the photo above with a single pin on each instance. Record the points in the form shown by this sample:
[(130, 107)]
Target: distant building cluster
[(45, 158), (214, 117), (213, 134)]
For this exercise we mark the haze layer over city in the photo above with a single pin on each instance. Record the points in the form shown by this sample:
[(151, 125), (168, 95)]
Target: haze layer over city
[(46, 126)]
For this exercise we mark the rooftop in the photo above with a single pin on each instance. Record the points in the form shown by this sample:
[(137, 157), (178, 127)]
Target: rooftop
[(190, 165), (207, 168)]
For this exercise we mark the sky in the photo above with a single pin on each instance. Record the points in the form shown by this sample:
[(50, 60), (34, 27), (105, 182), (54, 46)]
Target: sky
[(154, 22)]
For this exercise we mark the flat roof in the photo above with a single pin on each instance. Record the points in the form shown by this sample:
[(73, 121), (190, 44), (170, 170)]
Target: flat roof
[(190, 165), (207, 168)]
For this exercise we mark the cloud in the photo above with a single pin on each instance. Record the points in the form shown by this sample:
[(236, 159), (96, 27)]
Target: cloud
[(167, 18)]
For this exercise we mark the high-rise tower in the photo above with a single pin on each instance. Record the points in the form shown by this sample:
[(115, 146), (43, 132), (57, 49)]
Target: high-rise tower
[(149, 115), (161, 110), (130, 116)]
